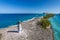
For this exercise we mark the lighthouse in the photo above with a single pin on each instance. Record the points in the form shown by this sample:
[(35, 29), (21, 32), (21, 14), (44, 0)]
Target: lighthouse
[(19, 27)]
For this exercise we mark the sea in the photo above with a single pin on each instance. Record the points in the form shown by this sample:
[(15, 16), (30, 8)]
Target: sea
[(7, 20), (55, 22)]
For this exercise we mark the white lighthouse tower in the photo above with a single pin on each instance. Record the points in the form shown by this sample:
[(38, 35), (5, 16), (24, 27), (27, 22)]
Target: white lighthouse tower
[(19, 27)]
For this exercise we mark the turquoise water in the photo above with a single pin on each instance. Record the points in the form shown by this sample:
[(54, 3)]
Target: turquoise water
[(12, 19), (55, 21)]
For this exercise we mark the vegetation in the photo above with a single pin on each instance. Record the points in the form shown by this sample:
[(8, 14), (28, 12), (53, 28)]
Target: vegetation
[(44, 23), (48, 16)]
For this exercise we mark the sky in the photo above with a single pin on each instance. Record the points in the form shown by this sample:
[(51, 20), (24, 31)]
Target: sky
[(29, 6)]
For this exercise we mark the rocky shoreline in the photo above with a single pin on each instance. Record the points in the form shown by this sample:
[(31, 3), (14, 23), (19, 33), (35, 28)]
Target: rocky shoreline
[(30, 31)]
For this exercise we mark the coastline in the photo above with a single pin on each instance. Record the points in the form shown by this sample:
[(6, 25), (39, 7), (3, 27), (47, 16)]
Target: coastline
[(27, 23), (32, 19)]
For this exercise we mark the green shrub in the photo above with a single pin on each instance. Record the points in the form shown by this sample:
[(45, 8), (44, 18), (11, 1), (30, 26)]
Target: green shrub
[(43, 23)]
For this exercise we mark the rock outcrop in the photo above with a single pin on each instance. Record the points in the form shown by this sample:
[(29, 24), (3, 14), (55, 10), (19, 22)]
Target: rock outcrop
[(30, 31)]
